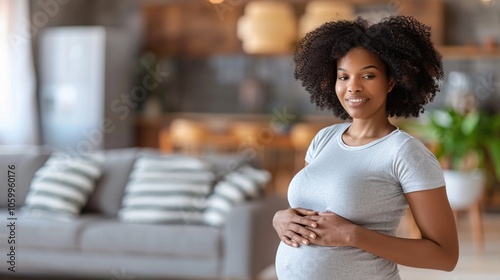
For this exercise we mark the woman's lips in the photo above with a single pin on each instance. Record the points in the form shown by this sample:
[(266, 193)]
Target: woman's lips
[(357, 101)]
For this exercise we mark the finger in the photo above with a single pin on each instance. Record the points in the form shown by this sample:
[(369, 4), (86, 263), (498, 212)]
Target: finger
[(326, 213), (297, 238), (304, 211), (304, 232), (304, 221), (289, 242), (313, 218)]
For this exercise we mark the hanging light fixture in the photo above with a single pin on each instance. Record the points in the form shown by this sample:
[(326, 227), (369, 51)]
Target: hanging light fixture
[(319, 12), (267, 27), (487, 3)]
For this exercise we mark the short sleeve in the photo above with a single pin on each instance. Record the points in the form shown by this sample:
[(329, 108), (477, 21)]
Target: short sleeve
[(312, 151), (416, 168)]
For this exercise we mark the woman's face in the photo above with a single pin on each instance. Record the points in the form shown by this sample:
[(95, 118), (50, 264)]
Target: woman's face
[(362, 84)]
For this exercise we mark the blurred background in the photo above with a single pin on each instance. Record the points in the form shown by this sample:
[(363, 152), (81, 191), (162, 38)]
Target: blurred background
[(205, 77), (208, 77), (138, 63), (85, 74)]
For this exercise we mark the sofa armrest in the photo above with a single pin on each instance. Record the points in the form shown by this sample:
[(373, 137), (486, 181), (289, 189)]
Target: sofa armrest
[(250, 242)]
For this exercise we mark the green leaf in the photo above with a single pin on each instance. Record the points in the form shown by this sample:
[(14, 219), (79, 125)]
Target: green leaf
[(493, 146), (470, 123)]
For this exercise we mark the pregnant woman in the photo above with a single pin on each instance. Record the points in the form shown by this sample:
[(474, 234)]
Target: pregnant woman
[(361, 176)]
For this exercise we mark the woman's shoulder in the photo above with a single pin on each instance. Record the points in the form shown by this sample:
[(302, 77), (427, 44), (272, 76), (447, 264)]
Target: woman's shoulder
[(333, 129), (329, 132), (409, 142)]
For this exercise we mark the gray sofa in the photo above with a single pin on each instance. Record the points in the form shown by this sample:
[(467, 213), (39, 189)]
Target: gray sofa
[(98, 245)]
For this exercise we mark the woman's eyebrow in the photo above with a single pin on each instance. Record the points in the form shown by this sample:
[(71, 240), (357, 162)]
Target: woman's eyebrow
[(364, 68)]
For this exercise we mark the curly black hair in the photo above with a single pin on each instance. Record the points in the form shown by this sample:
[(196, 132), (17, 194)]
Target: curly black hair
[(402, 43)]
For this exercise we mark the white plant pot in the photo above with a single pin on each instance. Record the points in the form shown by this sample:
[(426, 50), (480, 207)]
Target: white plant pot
[(463, 188)]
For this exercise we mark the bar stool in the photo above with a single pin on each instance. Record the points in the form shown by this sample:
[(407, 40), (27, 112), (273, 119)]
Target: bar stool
[(187, 136), (250, 138), (301, 136)]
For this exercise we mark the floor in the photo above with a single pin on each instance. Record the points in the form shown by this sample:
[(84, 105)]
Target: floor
[(471, 265)]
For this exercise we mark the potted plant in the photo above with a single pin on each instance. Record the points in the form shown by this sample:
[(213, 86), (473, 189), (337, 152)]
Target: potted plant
[(467, 144)]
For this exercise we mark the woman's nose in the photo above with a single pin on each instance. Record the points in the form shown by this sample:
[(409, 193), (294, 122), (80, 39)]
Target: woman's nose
[(354, 86)]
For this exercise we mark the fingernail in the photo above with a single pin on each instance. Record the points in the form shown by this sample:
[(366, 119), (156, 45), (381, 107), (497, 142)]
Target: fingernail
[(295, 245), (305, 242), (313, 225), (312, 236)]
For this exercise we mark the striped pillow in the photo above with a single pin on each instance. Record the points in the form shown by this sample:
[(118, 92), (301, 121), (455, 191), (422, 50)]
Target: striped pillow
[(245, 183), (167, 189), (61, 187)]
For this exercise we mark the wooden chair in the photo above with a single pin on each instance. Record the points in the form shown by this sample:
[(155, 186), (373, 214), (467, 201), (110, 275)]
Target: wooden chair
[(187, 136), (409, 229), (259, 141), (301, 136), (250, 137), (476, 223)]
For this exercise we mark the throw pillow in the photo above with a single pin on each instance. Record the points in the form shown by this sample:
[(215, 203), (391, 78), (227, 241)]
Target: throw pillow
[(166, 189), (61, 187), (245, 183)]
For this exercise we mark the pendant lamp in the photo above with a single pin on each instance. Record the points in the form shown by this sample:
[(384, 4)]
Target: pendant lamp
[(321, 11), (267, 27)]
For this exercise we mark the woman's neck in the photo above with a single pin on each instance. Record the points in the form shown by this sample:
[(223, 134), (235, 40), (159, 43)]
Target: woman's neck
[(364, 131)]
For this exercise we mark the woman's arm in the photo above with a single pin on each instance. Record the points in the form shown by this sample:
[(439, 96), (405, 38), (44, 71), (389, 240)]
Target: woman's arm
[(437, 249)]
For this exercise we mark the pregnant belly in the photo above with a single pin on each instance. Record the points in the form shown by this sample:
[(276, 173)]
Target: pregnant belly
[(327, 263)]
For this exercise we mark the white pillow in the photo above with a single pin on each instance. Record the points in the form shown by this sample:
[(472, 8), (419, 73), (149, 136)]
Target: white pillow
[(245, 183), (166, 189), (62, 186)]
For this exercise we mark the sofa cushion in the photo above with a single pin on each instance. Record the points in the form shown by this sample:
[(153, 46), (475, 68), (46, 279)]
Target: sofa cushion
[(227, 163), (48, 234), (167, 189), (108, 193), (245, 183), (27, 160), (173, 240), (62, 186)]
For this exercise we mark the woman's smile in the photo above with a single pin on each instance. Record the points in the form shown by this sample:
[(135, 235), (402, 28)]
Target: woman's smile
[(356, 101)]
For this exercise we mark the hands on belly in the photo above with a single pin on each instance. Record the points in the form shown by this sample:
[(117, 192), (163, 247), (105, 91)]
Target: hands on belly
[(296, 226), (331, 230)]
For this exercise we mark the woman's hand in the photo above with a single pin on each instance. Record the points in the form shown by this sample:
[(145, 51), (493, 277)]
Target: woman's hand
[(332, 230), (290, 224)]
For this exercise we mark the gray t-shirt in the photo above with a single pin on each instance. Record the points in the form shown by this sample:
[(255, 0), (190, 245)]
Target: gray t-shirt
[(364, 184)]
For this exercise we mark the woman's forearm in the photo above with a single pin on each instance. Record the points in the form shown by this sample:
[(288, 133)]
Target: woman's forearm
[(422, 253), (437, 249)]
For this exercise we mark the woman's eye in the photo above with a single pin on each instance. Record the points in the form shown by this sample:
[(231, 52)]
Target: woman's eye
[(369, 76), (342, 78)]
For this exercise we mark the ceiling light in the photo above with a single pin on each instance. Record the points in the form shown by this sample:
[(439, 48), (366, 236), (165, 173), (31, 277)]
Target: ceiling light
[(319, 12), (267, 27)]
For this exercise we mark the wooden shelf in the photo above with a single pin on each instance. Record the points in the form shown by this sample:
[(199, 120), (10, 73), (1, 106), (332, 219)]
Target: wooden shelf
[(190, 28), (468, 52)]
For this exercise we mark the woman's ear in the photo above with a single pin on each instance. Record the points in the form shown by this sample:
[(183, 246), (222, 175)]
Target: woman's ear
[(392, 83)]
